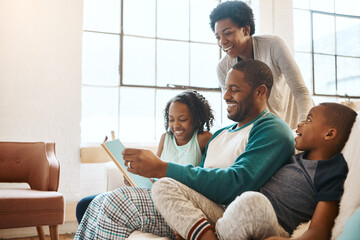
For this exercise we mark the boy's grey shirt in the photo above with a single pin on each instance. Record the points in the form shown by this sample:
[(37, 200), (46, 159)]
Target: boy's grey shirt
[(296, 188)]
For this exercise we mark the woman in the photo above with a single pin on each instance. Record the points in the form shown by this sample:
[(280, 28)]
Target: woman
[(233, 25)]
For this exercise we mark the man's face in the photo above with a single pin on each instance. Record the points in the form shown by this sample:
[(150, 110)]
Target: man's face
[(239, 97)]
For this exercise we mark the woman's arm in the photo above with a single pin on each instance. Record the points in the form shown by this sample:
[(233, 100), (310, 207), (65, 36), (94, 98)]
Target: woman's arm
[(287, 65), (321, 223)]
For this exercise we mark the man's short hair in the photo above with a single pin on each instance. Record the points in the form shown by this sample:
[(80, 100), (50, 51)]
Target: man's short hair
[(256, 73), (239, 13), (340, 117)]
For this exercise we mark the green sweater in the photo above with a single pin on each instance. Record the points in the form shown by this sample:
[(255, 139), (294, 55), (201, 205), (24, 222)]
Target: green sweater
[(270, 145)]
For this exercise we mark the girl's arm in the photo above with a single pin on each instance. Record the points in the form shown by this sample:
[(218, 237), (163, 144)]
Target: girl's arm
[(321, 223), (203, 139), (161, 145)]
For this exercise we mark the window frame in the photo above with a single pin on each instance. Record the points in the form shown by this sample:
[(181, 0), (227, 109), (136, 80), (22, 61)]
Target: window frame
[(335, 55), (171, 87)]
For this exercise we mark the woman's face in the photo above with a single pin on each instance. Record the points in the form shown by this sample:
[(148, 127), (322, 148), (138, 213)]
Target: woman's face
[(232, 39)]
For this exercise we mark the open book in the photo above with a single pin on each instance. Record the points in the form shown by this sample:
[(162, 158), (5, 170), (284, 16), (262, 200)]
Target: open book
[(114, 149)]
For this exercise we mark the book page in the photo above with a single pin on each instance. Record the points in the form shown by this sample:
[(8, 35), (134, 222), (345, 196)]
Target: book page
[(114, 149)]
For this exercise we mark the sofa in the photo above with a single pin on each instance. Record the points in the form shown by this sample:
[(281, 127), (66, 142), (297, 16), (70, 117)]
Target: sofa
[(349, 203)]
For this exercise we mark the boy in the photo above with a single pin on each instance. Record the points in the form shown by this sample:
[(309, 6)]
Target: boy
[(308, 187)]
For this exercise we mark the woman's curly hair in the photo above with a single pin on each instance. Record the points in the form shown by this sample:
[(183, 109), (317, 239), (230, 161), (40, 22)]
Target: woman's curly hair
[(200, 110), (239, 13)]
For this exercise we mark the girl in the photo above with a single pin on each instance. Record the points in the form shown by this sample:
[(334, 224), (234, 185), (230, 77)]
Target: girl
[(185, 116)]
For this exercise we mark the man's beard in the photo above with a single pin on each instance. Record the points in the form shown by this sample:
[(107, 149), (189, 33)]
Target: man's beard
[(242, 109)]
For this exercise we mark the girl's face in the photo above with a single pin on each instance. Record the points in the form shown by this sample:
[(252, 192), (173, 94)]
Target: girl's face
[(231, 38), (180, 122)]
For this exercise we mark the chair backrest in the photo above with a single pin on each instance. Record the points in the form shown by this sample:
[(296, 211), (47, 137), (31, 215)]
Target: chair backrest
[(32, 162)]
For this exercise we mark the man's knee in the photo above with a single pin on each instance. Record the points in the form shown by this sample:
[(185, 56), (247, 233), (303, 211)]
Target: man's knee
[(249, 216), (251, 198), (252, 206), (161, 187)]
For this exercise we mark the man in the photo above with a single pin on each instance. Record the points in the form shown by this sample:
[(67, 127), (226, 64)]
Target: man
[(238, 158)]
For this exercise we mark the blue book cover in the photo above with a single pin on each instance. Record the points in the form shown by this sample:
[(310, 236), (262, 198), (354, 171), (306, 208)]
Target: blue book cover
[(114, 149)]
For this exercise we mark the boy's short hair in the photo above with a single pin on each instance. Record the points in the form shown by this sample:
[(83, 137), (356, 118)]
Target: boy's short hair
[(256, 73), (342, 118)]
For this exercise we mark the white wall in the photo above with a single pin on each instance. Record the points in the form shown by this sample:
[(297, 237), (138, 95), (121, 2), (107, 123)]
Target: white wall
[(276, 17), (40, 79)]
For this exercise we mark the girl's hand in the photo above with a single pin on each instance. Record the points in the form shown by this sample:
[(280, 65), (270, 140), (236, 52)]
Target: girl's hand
[(126, 182)]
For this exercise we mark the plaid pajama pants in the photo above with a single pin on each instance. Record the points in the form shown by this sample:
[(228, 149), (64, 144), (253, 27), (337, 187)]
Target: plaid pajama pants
[(116, 214)]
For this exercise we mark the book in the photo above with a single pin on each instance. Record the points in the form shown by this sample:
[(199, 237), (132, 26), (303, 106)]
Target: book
[(114, 149)]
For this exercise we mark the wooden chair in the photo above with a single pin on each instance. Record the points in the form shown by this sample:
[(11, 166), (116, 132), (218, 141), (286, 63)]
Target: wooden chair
[(34, 163)]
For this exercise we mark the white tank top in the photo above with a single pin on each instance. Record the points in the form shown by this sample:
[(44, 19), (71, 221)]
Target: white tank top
[(189, 153)]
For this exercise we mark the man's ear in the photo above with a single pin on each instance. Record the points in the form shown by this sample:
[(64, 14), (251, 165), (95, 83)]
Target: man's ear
[(261, 91), (331, 134)]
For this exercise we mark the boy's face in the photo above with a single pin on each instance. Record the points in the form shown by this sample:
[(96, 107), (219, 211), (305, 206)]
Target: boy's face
[(311, 132)]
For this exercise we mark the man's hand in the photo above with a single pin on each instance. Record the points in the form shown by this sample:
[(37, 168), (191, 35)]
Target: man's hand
[(144, 162)]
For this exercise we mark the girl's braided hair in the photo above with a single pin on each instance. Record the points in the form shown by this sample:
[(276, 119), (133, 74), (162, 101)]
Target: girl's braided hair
[(200, 110)]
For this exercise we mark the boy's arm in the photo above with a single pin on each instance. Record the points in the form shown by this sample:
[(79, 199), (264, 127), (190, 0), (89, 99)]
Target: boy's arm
[(321, 222)]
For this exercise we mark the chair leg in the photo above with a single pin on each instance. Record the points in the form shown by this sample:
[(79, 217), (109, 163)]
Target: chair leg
[(40, 232), (54, 234)]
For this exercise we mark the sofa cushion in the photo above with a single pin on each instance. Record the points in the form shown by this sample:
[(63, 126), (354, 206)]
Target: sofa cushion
[(352, 227), (350, 200)]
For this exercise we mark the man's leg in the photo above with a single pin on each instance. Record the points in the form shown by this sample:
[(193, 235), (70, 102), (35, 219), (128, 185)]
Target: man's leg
[(116, 214), (186, 211), (249, 216)]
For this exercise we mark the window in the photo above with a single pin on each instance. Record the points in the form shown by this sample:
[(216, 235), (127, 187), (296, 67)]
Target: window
[(137, 54), (327, 46)]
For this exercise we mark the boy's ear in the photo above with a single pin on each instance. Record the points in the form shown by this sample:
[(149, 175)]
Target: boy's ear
[(331, 134)]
